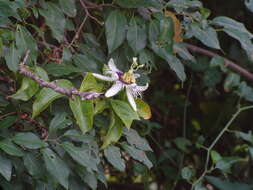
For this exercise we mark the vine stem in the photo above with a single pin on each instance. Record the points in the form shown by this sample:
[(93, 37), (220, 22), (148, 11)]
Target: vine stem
[(209, 149), (227, 62)]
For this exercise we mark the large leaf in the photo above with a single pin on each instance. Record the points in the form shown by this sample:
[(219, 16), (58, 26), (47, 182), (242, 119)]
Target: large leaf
[(28, 140), (33, 164), (114, 132), (136, 3), (12, 58), (134, 139), (56, 167), (10, 148), (138, 155), (6, 10), (226, 185), (113, 155), (238, 31), (46, 96), (124, 112), (89, 83), (80, 155), (136, 36), (5, 168), (85, 63), (7, 121), (68, 7), (207, 36), (115, 27), (62, 69), (83, 111), (54, 19)]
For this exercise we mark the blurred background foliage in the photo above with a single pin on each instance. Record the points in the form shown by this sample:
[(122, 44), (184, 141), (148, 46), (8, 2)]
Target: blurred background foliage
[(187, 114)]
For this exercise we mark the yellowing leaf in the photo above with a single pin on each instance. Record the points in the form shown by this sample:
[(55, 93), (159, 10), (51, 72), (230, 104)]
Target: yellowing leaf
[(143, 109), (177, 26)]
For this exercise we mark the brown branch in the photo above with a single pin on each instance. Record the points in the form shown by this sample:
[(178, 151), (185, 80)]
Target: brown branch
[(23, 69), (227, 62)]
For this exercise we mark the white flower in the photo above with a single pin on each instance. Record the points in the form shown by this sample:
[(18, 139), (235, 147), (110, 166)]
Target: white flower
[(123, 81)]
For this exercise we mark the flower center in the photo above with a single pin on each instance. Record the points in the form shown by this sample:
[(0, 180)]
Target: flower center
[(128, 77)]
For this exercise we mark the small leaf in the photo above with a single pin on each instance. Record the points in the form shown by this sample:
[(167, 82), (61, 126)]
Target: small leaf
[(89, 83), (10, 148), (134, 139), (226, 163), (114, 132), (215, 156), (136, 36), (80, 155), (83, 111), (115, 29), (113, 155), (138, 155), (59, 122), (187, 173), (182, 143), (46, 96), (232, 80), (12, 58), (28, 140), (143, 109), (124, 111), (182, 51), (68, 7), (56, 167), (5, 168)]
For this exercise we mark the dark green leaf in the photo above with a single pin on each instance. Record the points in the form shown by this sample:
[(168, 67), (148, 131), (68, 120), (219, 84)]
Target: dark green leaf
[(5, 168), (56, 167), (58, 122), (33, 164), (115, 27), (187, 173), (68, 7), (7, 122), (80, 155), (90, 179), (136, 3), (226, 163), (46, 96), (136, 36), (231, 81), (62, 69), (28, 140), (113, 155), (124, 112), (12, 58), (138, 155), (85, 63), (134, 139), (10, 148), (249, 4)]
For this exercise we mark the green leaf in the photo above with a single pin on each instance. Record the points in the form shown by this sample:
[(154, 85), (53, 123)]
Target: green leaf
[(134, 139), (212, 77), (245, 91), (245, 136), (124, 112), (83, 111), (232, 80), (12, 58), (62, 69), (7, 122), (182, 143), (25, 41), (136, 36), (54, 19), (59, 122), (215, 156), (46, 96), (6, 10), (10, 148), (249, 4), (113, 155), (56, 167), (68, 7), (166, 34), (114, 132), (138, 155), (226, 163), (115, 28), (183, 52), (28, 140), (28, 88), (176, 65), (90, 179), (238, 31), (187, 173), (33, 165), (85, 63), (136, 3), (5, 168), (89, 83), (80, 155), (226, 185), (207, 36)]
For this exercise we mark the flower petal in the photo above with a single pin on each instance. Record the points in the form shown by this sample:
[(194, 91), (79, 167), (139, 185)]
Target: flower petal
[(141, 88), (112, 66), (102, 77), (114, 89), (136, 75), (131, 98)]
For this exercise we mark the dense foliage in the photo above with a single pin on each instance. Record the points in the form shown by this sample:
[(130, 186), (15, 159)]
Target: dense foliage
[(71, 77)]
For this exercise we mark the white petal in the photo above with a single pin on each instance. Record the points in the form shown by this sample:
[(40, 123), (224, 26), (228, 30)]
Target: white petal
[(114, 89), (141, 88), (112, 66), (136, 75), (131, 98), (102, 77)]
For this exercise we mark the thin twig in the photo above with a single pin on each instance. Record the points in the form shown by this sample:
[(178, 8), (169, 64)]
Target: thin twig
[(53, 85), (209, 149), (227, 62)]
